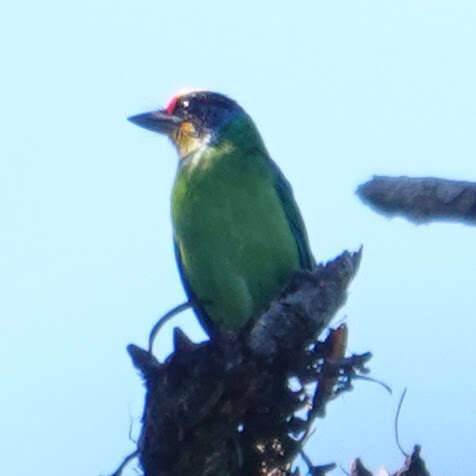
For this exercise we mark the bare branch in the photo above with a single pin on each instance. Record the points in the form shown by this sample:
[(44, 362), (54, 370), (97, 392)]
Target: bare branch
[(421, 199)]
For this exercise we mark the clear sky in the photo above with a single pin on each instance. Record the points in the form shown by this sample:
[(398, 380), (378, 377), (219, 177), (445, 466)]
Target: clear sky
[(340, 91)]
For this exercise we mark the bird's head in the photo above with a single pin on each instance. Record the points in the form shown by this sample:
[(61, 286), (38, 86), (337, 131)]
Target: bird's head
[(194, 119)]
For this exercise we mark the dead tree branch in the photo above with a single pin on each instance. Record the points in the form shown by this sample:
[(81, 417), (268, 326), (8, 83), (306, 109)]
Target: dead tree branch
[(226, 407), (421, 199)]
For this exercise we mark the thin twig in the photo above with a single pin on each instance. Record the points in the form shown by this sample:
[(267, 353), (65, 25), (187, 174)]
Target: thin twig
[(125, 462), (397, 417), (374, 380), (165, 318), (131, 424)]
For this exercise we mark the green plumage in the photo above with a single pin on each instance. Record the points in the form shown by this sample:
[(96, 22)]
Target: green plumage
[(238, 232)]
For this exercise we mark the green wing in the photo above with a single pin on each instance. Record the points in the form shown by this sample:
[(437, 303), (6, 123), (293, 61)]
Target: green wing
[(202, 316), (291, 210)]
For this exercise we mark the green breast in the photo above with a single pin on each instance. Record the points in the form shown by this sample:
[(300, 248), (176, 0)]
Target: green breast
[(235, 247)]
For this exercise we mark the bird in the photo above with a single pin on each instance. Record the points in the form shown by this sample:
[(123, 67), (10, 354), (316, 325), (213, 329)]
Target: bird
[(238, 233)]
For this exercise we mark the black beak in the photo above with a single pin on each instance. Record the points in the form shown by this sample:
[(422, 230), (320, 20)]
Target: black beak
[(157, 121)]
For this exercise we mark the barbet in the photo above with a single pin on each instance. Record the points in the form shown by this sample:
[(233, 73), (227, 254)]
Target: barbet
[(238, 232)]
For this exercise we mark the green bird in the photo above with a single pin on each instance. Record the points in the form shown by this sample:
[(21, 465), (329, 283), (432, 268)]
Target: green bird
[(238, 232)]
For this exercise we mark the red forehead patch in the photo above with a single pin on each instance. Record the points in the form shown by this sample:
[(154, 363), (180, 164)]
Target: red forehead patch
[(171, 105)]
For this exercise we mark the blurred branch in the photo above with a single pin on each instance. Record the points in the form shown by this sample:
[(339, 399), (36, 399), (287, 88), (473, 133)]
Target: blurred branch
[(421, 199)]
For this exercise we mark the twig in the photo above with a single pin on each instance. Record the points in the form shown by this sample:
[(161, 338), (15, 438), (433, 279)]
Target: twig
[(125, 462), (374, 380), (320, 470), (165, 318), (397, 417)]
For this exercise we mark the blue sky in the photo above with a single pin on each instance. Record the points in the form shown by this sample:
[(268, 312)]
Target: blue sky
[(340, 91)]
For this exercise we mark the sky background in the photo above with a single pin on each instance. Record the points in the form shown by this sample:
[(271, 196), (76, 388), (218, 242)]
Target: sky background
[(340, 91)]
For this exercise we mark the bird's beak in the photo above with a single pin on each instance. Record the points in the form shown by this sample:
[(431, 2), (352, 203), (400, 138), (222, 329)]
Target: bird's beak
[(157, 121)]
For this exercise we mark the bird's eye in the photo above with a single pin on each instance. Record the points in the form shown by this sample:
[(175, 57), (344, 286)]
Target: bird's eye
[(177, 104)]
